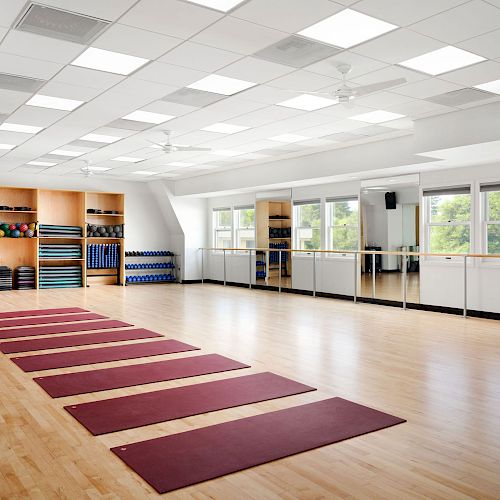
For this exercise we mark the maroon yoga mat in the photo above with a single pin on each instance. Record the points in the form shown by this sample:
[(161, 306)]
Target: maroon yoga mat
[(76, 340), (184, 459), (32, 331), (41, 312), (118, 414), (100, 355), (49, 319), (71, 384)]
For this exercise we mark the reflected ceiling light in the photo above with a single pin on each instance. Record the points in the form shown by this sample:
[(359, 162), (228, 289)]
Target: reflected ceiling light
[(224, 85), (109, 61), (45, 101)]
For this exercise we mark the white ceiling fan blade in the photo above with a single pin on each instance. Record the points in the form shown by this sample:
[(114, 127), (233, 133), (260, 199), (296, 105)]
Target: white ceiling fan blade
[(376, 87), (313, 93), (190, 148), (157, 144)]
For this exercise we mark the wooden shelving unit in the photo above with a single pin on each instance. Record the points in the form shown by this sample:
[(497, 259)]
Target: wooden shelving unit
[(65, 208)]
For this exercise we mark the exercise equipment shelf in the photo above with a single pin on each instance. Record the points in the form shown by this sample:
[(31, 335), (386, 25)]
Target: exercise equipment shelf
[(165, 274)]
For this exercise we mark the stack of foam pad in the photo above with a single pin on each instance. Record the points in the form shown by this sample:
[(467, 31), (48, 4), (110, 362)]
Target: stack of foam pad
[(24, 278), (59, 231), (60, 277), (5, 278), (103, 256), (58, 252)]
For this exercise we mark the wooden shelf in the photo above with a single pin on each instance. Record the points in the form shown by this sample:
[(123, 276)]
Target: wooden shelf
[(270, 218), (60, 237), (103, 238), (18, 212), (43, 259), (105, 215), (287, 238)]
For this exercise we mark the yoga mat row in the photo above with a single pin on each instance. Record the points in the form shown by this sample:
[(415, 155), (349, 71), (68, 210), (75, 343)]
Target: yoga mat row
[(169, 462)]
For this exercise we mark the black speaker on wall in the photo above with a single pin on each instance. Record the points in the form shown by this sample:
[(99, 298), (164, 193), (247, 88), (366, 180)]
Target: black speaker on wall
[(390, 201)]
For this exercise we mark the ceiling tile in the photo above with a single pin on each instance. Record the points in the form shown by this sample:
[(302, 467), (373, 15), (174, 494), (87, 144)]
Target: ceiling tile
[(58, 89), (286, 15), (487, 45), (200, 57), (170, 17), (390, 73), (461, 97), (426, 88), (169, 108), (87, 78), (359, 65), (416, 109), (382, 100), (398, 46), (41, 117), (109, 10), (463, 22), (134, 86), (13, 137), (302, 80), (238, 35), (40, 47), (176, 76), (24, 66), (129, 124), (474, 75), (193, 97), (268, 115), (11, 100), (255, 70), (267, 94), (10, 10), (404, 12), (135, 41)]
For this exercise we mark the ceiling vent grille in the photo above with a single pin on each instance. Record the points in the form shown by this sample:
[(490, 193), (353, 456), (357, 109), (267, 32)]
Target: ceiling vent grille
[(193, 97), (460, 97), (19, 83), (60, 24)]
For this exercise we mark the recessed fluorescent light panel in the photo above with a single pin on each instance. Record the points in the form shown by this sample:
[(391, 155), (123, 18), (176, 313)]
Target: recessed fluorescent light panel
[(179, 164), (41, 163), (220, 5), (16, 127), (442, 60), (98, 169), (46, 101), (7, 146), (107, 139), (106, 60), (144, 172), (493, 86), (347, 28), (147, 117), (224, 128), (288, 138), (221, 85), (378, 116), (65, 152), (128, 159), (308, 102)]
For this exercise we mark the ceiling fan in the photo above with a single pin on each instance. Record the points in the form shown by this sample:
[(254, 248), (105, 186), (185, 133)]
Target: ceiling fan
[(168, 147), (86, 170), (345, 93)]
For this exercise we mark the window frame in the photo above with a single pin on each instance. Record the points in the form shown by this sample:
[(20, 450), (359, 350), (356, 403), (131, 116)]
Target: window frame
[(216, 228), (236, 224), (484, 189), (427, 194), (296, 228), (329, 227)]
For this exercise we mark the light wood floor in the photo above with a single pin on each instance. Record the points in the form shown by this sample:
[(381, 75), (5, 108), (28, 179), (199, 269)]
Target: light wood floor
[(389, 286), (440, 372)]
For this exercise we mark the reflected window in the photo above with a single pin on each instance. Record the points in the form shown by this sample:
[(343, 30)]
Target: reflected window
[(342, 223), (244, 218), (222, 223), (491, 217), (307, 225)]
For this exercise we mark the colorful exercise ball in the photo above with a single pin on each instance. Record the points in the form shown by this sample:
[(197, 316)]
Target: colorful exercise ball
[(21, 234), (23, 227), (12, 227), (7, 232), (29, 233), (4, 227), (18, 225), (15, 233), (32, 226), (2, 234)]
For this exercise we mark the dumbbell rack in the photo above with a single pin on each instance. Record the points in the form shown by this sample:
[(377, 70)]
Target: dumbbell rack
[(150, 260)]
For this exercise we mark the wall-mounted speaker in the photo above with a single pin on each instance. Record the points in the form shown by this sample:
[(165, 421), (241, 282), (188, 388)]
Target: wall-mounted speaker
[(390, 201)]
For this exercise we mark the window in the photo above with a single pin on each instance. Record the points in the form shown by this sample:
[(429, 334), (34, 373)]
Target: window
[(491, 219), (448, 220), (307, 224), (222, 228), (342, 220), (245, 226)]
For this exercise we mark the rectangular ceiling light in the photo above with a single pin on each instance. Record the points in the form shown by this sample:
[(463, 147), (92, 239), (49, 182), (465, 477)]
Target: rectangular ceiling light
[(147, 117), (378, 116), (347, 28), (41, 163), (221, 85), (226, 152), (308, 102), (144, 172), (288, 138), (225, 128), (220, 5), (179, 164), (16, 127), (106, 60), (107, 139), (493, 86), (45, 101), (128, 159), (7, 146), (98, 169), (65, 152), (442, 60)]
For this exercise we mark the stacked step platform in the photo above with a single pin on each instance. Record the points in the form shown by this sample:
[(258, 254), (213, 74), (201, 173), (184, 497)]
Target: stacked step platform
[(5, 278), (24, 278), (58, 252), (60, 277)]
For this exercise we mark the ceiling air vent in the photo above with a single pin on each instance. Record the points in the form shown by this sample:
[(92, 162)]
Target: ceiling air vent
[(19, 83), (296, 51), (60, 24), (193, 97), (460, 97)]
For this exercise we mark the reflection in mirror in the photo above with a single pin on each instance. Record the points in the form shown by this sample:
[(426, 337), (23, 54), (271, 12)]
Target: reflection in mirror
[(273, 217), (390, 214)]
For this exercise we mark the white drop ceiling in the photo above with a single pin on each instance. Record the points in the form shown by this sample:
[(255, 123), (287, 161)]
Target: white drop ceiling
[(184, 43)]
